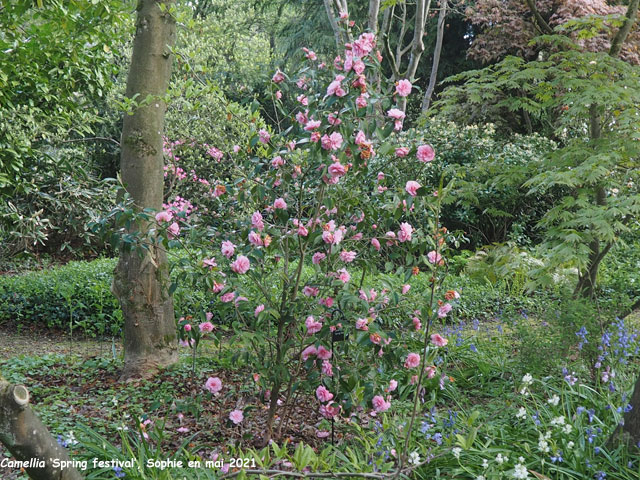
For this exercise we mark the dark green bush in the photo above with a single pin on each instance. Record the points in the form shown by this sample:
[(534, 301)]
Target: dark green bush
[(79, 290), (52, 297)]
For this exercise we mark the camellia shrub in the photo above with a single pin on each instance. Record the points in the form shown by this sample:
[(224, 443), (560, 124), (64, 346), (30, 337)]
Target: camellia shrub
[(293, 272)]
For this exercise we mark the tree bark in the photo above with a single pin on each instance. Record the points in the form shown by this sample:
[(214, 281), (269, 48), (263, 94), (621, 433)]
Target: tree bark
[(28, 439), (141, 278), (426, 101)]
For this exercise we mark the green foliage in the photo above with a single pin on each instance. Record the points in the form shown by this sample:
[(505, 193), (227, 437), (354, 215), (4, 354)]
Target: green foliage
[(50, 298), (588, 102), (50, 213), (486, 201), (56, 60)]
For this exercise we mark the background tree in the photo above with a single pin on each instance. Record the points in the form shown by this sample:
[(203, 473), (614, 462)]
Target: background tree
[(141, 280)]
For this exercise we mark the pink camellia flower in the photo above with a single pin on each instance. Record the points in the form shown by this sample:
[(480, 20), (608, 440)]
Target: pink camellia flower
[(280, 203), (317, 258), (404, 234), (187, 327), (256, 222), (337, 169), (311, 350), (264, 136), (365, 43), (259, 308), (277, 162), (361, 101), (416, 323), (329, 410), (213, 384), (323, 353), (362, 324), (402, 152), (312, 125), (312, 325), (255, 239), (335, 87), (333, 119), (438, 341), (236, 417), (443, 310), (323, 394), (209, 262), (163, 216), (343, 275), (412, 361), (173, 230), (327, 237), (403, 87), (375, 243), (379, 404), (430, 371), (393, 384), (241, 264), (332, 142), (217, 287), (303, 99), (236, 148), (360, 137), (278, 94), (434, 257), (206, 327), (348, 257), (412, 187), (310, 291), (278, 77), (302, 118), (396, 114), (358, 67), (228, 249), (228, 297), (208, 316), (405, 289), (425, 153), (327, 302), (327, 368)]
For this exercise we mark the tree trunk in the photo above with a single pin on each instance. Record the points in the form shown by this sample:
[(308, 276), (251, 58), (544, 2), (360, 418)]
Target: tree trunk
[(141, 278), (426, 101), (28, 439)]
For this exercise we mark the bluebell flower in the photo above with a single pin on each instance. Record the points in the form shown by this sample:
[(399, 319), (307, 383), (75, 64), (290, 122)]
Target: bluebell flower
[(473, 348), (438, 438), (118, 472), (557, 458), (600, 475)]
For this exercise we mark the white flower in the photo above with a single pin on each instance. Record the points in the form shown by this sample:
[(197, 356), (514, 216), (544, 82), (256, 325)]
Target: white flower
[(543, 446), (456, 452), (547, 435), (558, 420), (520, 471), (414, 457), (570, 445), (567, 428), (485, 463), (522, 413), (500, 458), (480, 477), (520, 459), (554, 400), (527, 379)]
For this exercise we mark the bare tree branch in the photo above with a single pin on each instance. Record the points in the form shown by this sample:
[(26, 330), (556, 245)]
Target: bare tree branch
[(542, 23), (426, 101), (621, 35)]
